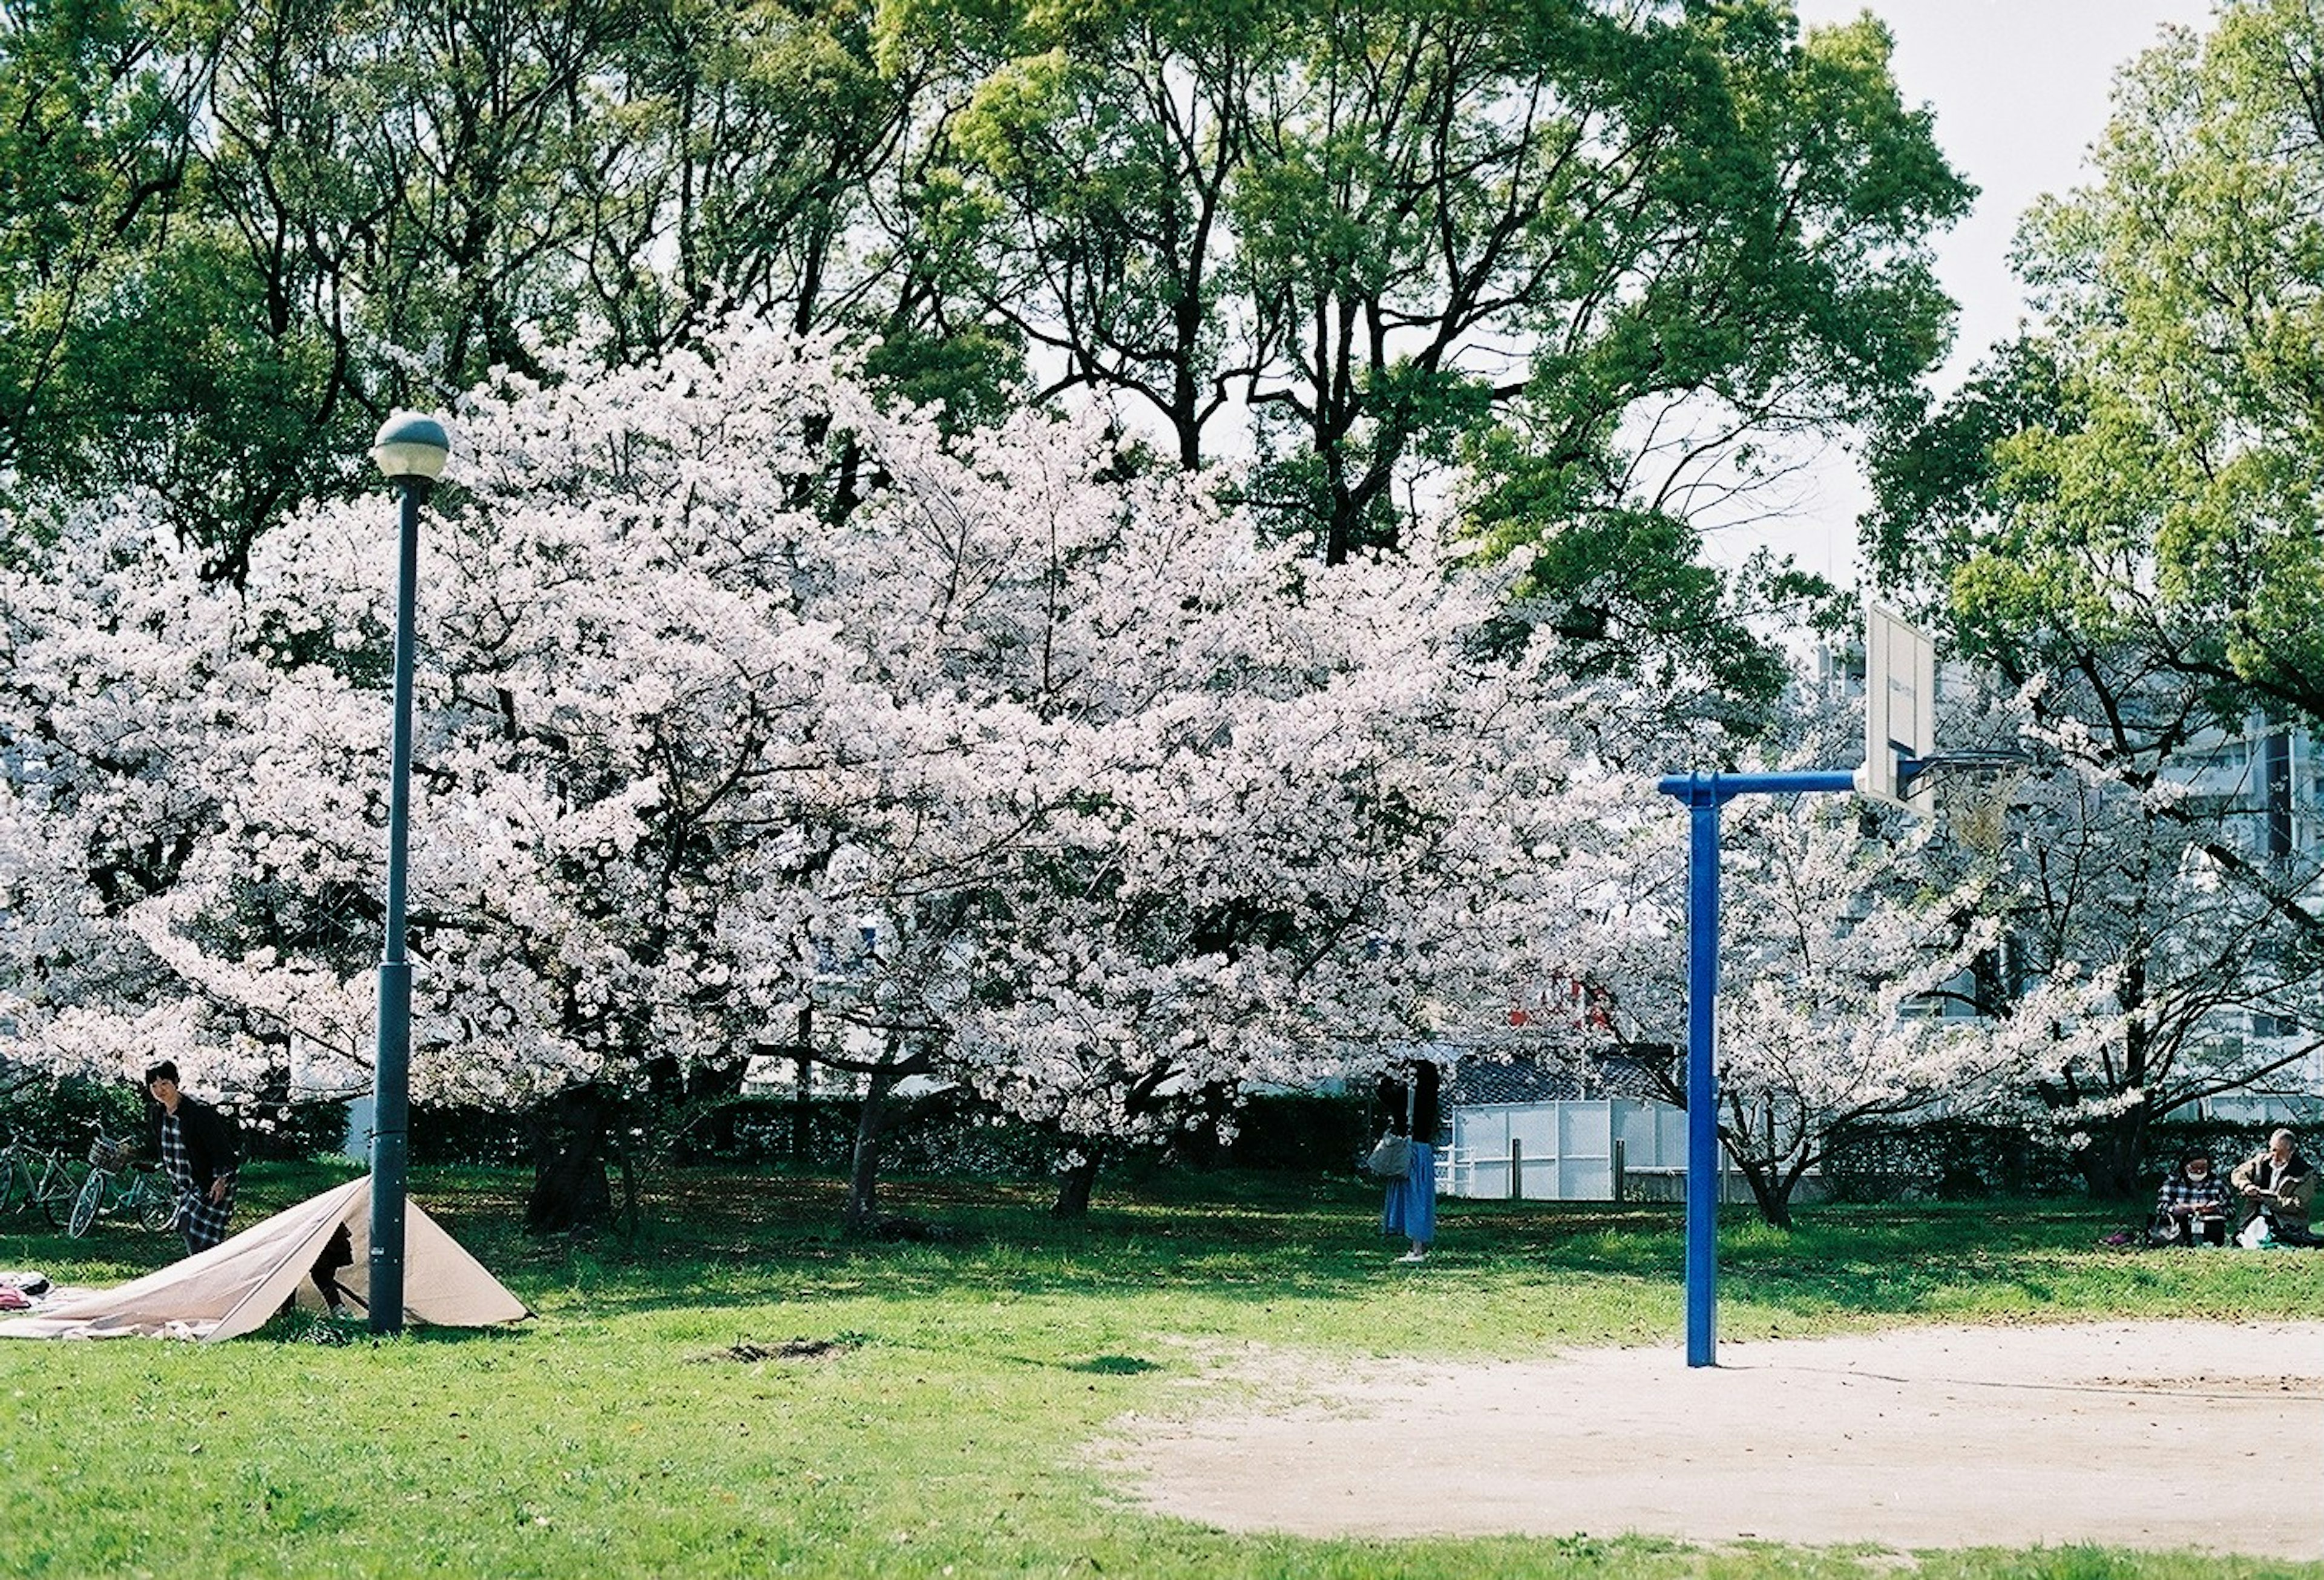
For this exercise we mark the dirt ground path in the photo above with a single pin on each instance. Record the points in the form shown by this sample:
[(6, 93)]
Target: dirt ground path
[(2139, 1435)]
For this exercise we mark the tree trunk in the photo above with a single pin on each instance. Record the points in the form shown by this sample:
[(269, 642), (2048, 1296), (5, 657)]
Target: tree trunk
[(570, 1189), (1074, 1186), (861, 1216), (803, 1097), (2109, 1164), (1771, 1190)]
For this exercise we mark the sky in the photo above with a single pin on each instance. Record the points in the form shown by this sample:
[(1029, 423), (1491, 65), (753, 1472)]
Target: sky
[(2020, 90)]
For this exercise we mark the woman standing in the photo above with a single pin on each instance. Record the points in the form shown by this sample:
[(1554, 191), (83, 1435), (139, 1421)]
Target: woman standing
[(195, 1145), (1408, 1096)]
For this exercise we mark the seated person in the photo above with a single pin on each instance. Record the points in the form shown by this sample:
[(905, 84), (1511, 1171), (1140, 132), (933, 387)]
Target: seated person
[(338, 1252), (2278, 1185), (2193, 1205)]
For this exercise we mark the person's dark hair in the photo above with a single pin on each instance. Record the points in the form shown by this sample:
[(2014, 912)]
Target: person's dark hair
[(2193, 1158), (165, 1070)]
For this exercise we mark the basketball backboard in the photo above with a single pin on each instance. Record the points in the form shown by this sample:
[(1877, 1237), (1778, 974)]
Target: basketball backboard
[(1900, 703)]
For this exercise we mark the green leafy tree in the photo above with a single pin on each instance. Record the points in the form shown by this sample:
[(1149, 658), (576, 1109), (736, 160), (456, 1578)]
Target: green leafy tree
[(235, 240), (1758, 275), (1592, 255), (96, 106), (1939, 503), (2184, 295), (1097, 150)]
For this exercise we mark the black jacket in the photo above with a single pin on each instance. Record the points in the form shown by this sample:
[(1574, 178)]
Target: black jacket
[(1426, 1112), (212, 1148)]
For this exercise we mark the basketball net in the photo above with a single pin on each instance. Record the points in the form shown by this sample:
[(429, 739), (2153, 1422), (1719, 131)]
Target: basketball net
[(1977, 806)]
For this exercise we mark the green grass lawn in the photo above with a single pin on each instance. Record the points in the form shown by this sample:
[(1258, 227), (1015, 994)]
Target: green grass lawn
[(943, 1429)]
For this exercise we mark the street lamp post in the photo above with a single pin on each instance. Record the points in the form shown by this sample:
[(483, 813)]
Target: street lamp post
[(411, 450)]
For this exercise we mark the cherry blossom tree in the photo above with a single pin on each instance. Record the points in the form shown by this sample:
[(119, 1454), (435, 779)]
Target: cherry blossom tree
[(207, 764), (722, 665), (2094, 970), (2159, 906), (1836, 953)]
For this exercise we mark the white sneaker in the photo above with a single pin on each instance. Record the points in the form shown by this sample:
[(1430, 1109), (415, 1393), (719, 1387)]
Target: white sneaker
[(1413, 1257)]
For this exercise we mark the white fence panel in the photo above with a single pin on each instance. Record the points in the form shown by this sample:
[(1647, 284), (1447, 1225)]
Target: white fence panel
[(1566, 1150)]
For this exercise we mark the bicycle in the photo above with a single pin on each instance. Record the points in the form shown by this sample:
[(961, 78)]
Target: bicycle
[(34, 1177), (134, 1196)]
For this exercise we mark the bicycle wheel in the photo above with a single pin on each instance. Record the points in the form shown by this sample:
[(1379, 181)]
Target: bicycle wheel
[(85, 1205), (56, 1187), (153, 1207), (10, 1185)]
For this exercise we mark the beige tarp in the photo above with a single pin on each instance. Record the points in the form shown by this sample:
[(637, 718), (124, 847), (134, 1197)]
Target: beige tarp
[(234, 1286)]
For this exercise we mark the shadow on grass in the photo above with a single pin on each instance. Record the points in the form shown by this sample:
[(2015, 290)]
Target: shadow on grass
[(302, 1328), (719, 1240), (1115, 1366), (722, 1240)]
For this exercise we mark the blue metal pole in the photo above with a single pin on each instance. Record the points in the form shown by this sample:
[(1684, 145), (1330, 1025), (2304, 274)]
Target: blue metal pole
[(1702, 1088), (1704, 793), (391, 1074)]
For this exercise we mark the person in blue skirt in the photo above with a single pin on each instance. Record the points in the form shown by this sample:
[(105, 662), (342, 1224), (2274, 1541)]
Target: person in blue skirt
[(1408, 1098)]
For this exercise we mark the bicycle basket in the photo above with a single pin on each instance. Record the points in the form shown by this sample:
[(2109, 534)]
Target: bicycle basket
[(109, 1155)]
